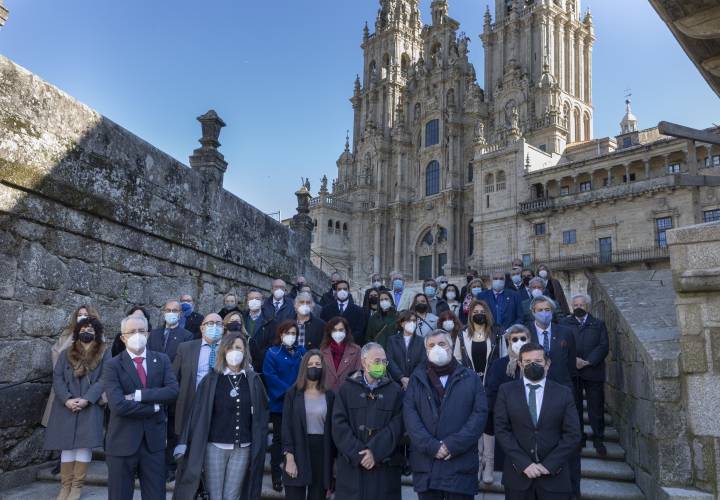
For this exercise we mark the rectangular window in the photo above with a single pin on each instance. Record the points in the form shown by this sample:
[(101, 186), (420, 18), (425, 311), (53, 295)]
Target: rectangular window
[(605, 246), (425, 267), (442, 260), (716, 161), (526, 259), (673, 168), (432, 178), (585, 186), (470, 172), (627, 142), (569, 237), (663, 224), (605, 181), (432, 133), (564, 190), (539, 229), (711, 215)]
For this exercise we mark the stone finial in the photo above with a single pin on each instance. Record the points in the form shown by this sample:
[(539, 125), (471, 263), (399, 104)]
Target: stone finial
[(3, 14), (366, 32), (488, 16), (211, 126), (303, 199)]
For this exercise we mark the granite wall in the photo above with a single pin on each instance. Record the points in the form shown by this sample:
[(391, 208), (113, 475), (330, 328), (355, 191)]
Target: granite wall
[(91, 214)]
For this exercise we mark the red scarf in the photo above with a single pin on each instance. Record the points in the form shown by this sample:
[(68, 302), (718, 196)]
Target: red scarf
[(337, 351)]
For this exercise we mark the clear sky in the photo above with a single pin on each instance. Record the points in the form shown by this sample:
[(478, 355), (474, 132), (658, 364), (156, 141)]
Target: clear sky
[(280, 73)]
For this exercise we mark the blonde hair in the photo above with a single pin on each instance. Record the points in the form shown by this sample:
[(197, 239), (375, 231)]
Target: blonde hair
[(226, 322), (488, 328)]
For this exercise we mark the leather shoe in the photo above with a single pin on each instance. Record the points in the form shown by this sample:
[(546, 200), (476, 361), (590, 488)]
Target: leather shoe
[(600, 448)]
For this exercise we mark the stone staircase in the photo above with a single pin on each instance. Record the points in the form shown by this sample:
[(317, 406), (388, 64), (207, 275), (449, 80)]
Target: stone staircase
[(608, 478)]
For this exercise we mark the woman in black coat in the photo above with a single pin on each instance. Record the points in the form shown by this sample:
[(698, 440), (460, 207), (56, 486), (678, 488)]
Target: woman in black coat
[(233, 422), (306, 434), (405, 350)]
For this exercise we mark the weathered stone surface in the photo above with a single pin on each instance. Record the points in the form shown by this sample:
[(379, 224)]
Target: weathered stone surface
[(40, 268), (705, 401), (27, 451), (23, 405), (24, 360), (11, 314), (43, 321), (694, 359), (8, 272)]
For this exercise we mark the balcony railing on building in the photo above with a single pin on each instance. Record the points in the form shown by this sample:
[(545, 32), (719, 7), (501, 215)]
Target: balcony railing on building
[(588, 261), (332, 202)]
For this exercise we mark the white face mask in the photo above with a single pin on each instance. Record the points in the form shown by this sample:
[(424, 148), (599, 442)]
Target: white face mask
[(254, 304), (338, 336), (304, 309), (443, 285), (289, 340), (376, 284), (543, 274), (516, 346), (536, 292), (234, 358), (279, 294), (410, 327), (439, 356), (448, 325), (136, 342), (81, 317), (385, 305), (342, 295), (450, 295)]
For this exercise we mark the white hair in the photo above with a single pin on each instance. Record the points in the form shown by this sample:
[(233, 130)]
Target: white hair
[(124, 322), (304, 296), (586, 298), (369, 347), (437, 333), (538, 281)]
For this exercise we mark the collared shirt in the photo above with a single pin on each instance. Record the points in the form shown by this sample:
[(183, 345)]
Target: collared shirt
[(371, 386), (203, 361), (301, 333), (138, 392), (397, 295), (540, 334), (255, 315), (342, 306), (277, 304), (539, 393), (582, 320)]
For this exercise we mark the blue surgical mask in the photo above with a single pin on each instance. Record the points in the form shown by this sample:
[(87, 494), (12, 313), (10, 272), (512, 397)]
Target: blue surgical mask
[(516, 278), (430, 291), (476, 292), (213, 332), (398, 284), (187, 308), (498, 285), (543, 318), (171, 318)]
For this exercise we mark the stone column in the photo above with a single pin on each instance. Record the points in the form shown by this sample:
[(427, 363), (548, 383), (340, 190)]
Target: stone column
[(207, 160), (571, 60), (375, 220), (627, 173), (397, 249), (551, 44), (647, 168), (610, 176), (691, 157), (580, 49), (588, 71), (301, 222), (560, 65)]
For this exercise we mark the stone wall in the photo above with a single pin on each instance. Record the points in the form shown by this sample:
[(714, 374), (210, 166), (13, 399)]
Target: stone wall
[(91, 214)]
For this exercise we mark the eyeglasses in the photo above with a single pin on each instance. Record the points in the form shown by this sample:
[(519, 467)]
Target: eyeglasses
[(521, 339), (380, 362), (133, 332), (171, 310), (213, 323)]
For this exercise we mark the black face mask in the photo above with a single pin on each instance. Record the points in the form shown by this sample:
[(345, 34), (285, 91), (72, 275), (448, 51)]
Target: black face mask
[(534, 372), (373, 300), (421, 307), (314, 373), (469, 278), (479, 318), (234, 326), (86, 337), (579, 312), (526, 280)]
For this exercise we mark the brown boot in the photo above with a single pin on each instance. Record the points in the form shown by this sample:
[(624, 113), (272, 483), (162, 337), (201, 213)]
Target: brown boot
[(66, 479), (79, 473)]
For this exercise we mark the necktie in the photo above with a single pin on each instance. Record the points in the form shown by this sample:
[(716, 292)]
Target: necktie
[(140, 370), (167, 336), (277, 306), (546, 341), (532, 402), (211, 359), (342, 308)]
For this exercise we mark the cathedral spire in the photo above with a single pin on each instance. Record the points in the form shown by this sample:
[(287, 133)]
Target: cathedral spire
[(629, 121), (440, 11)]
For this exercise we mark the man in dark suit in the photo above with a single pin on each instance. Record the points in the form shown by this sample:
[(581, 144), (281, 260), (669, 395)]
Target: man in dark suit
[(504, 303), (190, 319), (278, 307), (138, 384), (591, 339), (537, 426), (193, 361), (518, 284), (343, 306), (166, 339), (329, 296)]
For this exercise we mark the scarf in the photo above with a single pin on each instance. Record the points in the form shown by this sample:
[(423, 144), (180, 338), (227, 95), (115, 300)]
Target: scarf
[(512, 367), (82, 360), (434, 372), (466, 303), (337, 351)]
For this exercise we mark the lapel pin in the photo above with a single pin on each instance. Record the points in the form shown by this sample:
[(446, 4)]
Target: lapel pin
[(154, 360)]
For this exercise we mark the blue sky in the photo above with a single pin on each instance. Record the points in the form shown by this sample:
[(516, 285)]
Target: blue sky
[(280, 72)]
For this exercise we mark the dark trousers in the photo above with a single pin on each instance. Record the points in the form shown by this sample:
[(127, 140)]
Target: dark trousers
[(150, 467), (594, 393), (442, 495), (276, 447), (316, 489), (533, 493), (171, 443)]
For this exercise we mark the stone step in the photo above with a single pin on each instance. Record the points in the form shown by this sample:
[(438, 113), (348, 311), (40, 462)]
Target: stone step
[(611, 434), (592, 489), (615, 451), (586, 418)]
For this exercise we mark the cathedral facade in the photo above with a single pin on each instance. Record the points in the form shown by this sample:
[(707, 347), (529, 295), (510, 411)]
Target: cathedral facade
[(441, 175)]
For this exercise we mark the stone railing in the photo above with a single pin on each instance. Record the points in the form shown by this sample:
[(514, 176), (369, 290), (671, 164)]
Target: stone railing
[(588, 261), (539, 205), (332, 202)]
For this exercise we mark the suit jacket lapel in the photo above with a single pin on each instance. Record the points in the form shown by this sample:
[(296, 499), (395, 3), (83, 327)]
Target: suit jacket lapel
[(153, 371), (195, 360), (521, 385), (129, 365), (546, 396), (300, 403)]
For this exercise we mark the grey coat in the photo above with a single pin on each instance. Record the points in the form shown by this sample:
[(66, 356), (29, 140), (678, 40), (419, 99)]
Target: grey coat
[(67, 430)]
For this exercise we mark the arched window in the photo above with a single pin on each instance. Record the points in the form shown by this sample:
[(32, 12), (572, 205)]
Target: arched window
[(404, 65), (345, 227), (576, 125), (432, 133), (586, 124), (489, 183), (337, 225), (386, 66), (330, 225), (500, 181), (432, 178)]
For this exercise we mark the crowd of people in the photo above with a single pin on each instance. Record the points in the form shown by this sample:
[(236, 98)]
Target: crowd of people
[(450, 385)]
